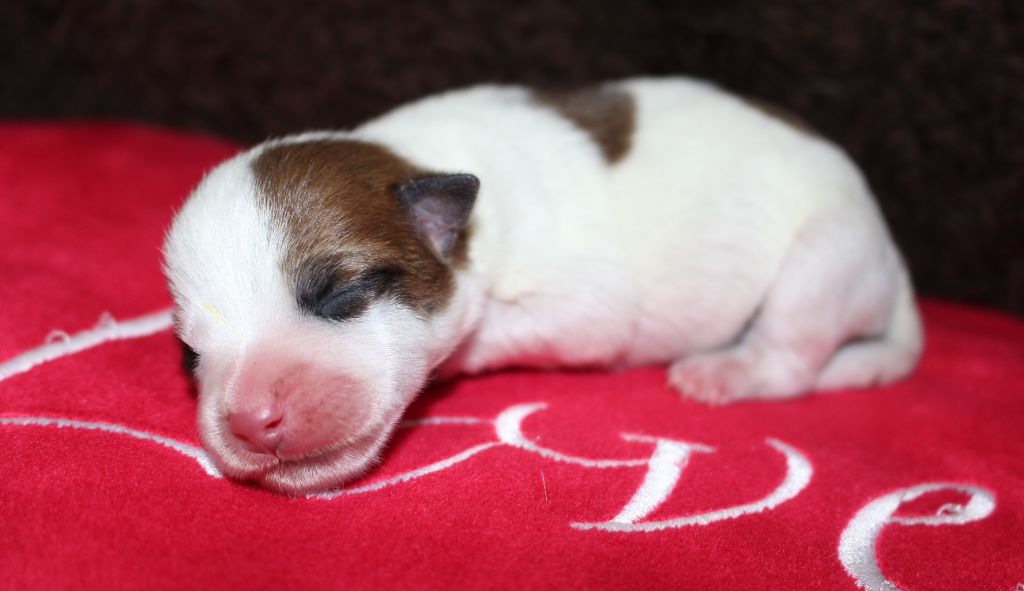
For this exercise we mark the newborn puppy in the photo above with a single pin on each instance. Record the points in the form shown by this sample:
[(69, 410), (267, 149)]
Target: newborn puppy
[(322, 278)]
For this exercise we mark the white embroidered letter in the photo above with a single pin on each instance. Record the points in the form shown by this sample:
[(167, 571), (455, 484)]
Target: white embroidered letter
[(857, 543)]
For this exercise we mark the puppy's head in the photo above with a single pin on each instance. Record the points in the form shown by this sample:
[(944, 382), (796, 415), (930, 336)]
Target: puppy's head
[(317, 282)]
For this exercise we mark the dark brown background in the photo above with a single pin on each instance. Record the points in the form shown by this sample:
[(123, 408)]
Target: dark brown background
[(927, 96)]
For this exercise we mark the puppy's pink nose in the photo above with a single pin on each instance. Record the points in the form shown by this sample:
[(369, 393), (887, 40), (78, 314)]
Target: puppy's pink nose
[(258, 429)]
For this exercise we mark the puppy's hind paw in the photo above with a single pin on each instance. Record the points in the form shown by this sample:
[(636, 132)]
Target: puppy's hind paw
[(712, 379)]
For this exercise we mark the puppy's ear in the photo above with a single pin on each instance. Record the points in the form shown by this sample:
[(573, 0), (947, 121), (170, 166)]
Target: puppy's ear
[(439, 206)]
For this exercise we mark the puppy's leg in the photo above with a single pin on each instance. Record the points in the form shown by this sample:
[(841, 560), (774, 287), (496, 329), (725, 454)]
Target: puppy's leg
[(838, 282), (881, 359)]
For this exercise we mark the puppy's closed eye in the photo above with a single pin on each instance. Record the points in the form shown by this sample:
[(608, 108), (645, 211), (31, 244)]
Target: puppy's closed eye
[(326, 298), (189, 358)]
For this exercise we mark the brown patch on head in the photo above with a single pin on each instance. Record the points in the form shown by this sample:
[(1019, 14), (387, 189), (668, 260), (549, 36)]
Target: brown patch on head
[(608, 115), (348, 238), (782, 114)]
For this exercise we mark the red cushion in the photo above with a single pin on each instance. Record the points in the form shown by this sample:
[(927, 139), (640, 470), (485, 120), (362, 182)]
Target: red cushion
[(804, 494)]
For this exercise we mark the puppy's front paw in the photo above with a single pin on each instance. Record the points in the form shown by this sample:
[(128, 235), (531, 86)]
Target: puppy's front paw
[(712, 378)]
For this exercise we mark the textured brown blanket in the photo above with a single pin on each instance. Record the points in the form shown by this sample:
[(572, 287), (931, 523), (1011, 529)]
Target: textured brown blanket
[(928, 97)]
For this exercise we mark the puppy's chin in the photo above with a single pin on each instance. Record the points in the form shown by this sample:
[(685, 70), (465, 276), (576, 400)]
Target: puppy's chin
[(319, 471)]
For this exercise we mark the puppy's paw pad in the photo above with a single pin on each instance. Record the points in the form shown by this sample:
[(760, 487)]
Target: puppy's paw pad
[(711, 379)]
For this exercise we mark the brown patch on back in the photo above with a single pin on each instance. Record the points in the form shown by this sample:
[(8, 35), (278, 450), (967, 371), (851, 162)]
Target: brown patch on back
[(606, 114), (784, 115), (333, 198)]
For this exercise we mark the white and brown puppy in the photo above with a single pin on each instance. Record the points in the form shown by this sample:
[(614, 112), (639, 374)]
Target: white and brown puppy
[(323, 278)]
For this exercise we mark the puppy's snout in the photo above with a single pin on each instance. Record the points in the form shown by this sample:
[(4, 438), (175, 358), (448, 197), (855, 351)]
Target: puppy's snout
[(289, 410), (258, 429)]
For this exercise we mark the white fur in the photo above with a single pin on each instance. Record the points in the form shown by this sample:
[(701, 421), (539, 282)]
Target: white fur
[(739, 249), (667, 253), (223, 255)]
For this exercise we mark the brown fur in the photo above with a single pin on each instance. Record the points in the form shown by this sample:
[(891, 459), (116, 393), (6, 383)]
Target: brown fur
[(606, 115), (333, 198)]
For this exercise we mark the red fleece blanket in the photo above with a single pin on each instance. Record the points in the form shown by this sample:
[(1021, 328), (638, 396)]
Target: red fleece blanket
[(514, 480)]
